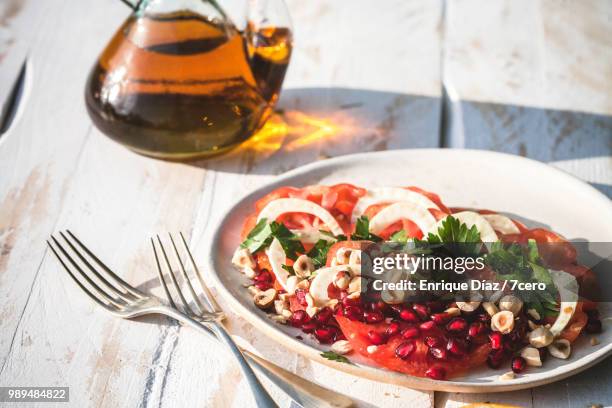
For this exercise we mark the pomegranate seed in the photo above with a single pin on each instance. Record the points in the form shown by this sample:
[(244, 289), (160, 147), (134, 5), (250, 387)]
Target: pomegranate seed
[(496, 340), (263, 276), (373, 317), (298, 318), (426, 326), (458, 324), (263, 285), (354, 313), (435, 306), (332, 291), (405, 349), (440, 318), (377, 338), (408, 316), (518, 364), (339, 336), (393, 329), (421, 310), (347, 301), (476, 329), (438, 353), (324, 315), (483, 317), (593, 326), (495, 358), (379, 306), (436, 373), (309, 327), (325, 334), (456, 347), (432, 341), (410, 332), (300, 295)]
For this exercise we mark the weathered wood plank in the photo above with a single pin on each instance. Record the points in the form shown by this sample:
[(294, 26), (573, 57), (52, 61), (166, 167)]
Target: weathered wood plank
[(57, 172), (532, 78)]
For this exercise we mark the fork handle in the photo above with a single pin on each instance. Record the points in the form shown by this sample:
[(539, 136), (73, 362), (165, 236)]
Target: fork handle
[(262, 398)]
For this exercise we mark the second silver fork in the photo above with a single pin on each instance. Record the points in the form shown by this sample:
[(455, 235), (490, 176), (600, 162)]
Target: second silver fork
[(300, 390)]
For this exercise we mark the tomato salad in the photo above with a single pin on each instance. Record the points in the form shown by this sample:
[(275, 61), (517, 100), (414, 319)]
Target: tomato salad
[(302, 249)]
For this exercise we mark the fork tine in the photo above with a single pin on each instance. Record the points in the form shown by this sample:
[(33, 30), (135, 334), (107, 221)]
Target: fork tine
[(208, 296), (125, 296), (101, 293), (174, 281), (201, 307), (161, 276), (132, 290)]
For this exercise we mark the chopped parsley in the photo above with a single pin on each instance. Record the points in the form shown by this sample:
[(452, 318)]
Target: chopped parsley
[(330, 355), (457, 237), (362, 231), (263, 233)]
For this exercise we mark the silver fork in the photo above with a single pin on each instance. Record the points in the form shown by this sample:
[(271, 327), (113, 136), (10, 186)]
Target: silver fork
[(306, 393), (262, 398), (111, 292)]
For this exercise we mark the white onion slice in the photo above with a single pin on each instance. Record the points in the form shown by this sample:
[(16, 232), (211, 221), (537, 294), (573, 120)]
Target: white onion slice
[(568, 295), (390, 195), (501, 223), (403, 211), (276, 208), (276, 256), (471, 218)]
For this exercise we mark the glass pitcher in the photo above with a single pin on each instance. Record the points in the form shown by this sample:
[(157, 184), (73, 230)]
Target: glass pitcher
[(180, 79)]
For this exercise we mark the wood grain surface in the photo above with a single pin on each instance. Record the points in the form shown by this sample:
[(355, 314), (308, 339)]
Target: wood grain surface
[(526, 77)]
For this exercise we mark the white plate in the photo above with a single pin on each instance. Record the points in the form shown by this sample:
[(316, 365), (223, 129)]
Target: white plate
[(528, 190)]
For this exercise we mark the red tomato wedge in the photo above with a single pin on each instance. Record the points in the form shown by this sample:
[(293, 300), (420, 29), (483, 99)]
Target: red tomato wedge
[(417, 363)]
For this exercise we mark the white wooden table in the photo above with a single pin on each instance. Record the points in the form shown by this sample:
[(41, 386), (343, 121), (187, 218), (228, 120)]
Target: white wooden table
[(530, 77)]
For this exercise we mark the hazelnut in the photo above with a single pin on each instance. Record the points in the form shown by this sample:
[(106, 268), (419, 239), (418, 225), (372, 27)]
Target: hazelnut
[(265, 299), (507, 376), (303, 266), (511, 303), (502, 322), (242, 259), (541, 337), (355, 257), (490, 308), (342, 280), (343, 256), (560, 348), (341, 347), (468, 306), (531, 356), (355, 285)]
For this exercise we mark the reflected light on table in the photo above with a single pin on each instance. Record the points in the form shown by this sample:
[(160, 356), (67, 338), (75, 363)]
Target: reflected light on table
[(294, 130)]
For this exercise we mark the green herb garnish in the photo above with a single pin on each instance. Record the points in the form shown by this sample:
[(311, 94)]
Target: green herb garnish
[(263, 233), (362, 231), (330, 355), (457, 237)]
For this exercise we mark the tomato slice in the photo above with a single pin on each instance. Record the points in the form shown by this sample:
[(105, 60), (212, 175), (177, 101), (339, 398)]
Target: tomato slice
[(417, 363), (573, 329)]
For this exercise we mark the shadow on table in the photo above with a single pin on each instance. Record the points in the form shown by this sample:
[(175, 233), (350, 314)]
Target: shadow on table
[(546, 135), (316, 123)]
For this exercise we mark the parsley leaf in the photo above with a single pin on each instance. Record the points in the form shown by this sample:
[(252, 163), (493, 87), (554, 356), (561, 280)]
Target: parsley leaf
[(263, 233), (330, 355), (362, 231), (318, 253), (288, 269), (400, 236), (457, 237)]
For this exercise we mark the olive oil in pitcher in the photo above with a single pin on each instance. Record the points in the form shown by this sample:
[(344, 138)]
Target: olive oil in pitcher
[(180, 85)]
